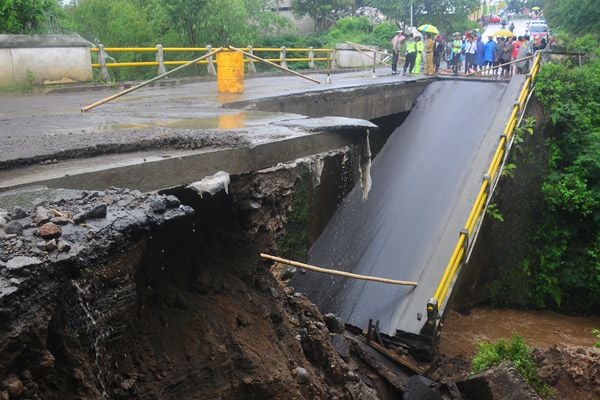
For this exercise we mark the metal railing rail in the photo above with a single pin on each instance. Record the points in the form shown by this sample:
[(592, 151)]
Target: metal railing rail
[(323, 55), (463, 245)]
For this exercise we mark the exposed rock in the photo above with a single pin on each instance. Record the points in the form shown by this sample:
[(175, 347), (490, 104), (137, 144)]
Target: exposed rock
[(79, 217), (99, 211), (158, 204), (19, 213), (3, 217), (341, 345), (20, 262), (14, 386), (301, 375), (172, 201), (421, 388), (334, 324), (502, 382), (42, 215), (63, 246), (50, 231), (60, 220), (572, 371), (14, 227)]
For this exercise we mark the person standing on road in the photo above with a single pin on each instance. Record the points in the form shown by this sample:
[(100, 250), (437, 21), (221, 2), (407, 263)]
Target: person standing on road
[(439, 48), (429, 47), (470, 50), (411, 53), (419, 56), (498, 54), (488, 54), (507, 56), (456, 50), (516, 45), (479, 52), (397, 44)]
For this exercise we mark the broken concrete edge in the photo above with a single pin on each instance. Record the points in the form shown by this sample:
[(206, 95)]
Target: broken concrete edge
[(200, 139), (179, 168), (89, 227), (255, 103)]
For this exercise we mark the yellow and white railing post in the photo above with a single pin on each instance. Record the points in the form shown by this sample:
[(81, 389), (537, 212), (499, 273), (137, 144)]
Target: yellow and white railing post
[(461, 250)]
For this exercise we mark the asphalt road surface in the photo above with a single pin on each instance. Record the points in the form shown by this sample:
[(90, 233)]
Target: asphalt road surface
[(424, 182)]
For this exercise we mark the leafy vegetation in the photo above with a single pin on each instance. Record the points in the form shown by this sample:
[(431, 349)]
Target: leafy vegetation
[(27, 16), (574, 16), (561, 267), (516, 351), (318, 10), (448, 15), (596, 332)]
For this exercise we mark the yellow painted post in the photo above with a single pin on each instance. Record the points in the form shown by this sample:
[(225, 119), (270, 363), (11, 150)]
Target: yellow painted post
[(230, 72)]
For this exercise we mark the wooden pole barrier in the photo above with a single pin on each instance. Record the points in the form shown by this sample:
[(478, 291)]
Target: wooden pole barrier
[(136, 87), (336, 272), (273, 64), (501, 65), (367, 54)]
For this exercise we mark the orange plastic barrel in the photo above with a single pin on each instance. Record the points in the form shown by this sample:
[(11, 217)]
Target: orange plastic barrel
[(230, 72)]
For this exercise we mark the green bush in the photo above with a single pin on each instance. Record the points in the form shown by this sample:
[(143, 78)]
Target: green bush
[(514, 350), (561, 266)]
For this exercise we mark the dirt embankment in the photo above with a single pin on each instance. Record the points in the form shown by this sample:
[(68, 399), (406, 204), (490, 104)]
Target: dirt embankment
[(153, 299)]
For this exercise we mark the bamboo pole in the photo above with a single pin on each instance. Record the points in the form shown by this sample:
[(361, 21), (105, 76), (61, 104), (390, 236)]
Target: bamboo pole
[(335, 272), (366, 53), (136, 87), (366, 48), (501, 65), (273, 64)]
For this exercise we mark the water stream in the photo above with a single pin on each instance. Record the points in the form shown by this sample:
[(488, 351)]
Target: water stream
[(461, 333), (94, 332)]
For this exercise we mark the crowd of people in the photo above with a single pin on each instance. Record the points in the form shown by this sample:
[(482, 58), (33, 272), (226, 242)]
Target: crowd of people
[(500, 56)]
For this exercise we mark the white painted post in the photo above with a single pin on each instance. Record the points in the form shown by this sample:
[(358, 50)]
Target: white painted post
[(251, 66), (160, 59), (311, 56), (104, 75), (282, 57), (211, 64)]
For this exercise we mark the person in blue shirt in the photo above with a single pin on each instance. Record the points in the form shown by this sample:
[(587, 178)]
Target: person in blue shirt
[(479, 51), (488, 53)]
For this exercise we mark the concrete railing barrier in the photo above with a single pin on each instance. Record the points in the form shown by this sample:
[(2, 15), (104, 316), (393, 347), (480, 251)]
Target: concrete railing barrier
[(44, 59)]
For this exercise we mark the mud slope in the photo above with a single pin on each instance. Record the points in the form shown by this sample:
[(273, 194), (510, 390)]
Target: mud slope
[(172, 304)]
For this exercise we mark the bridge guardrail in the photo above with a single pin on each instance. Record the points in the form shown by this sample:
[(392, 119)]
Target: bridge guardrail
[(324, 55), (462, 247)]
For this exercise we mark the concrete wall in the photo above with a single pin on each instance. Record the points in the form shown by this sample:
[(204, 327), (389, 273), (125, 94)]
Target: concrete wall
[(347, 57), (45, 58), (364, 102)]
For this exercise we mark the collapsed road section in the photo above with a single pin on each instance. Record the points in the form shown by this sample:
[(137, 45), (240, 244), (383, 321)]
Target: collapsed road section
[(423, 183)]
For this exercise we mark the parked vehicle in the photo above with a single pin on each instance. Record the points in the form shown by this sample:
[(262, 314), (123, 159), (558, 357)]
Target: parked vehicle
[(538, 32)]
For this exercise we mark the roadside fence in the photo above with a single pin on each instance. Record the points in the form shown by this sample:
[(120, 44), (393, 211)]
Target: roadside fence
[(308, 55)]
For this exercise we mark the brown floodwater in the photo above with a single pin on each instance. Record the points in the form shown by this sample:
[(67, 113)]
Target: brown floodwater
[(461, 333)]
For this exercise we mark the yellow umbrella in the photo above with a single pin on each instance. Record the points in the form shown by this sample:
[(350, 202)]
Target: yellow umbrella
[(428, 29), (536, 8), (504, 33)]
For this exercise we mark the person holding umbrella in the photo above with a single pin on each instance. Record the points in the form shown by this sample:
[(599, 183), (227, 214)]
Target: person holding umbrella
[(428, 47)]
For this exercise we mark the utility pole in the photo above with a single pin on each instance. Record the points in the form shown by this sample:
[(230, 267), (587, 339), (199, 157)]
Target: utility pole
[(411, 13)]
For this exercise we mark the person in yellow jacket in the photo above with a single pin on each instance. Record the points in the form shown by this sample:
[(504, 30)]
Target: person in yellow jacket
[(411, 53), (419, 55), (429, 55)]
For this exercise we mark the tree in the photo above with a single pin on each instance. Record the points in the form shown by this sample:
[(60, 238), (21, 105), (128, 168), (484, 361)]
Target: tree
[(574, 16), (24, 16), (441, 13), (319, 10)]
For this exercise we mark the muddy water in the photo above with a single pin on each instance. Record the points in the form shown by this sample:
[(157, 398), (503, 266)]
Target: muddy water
[(461, 333)]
